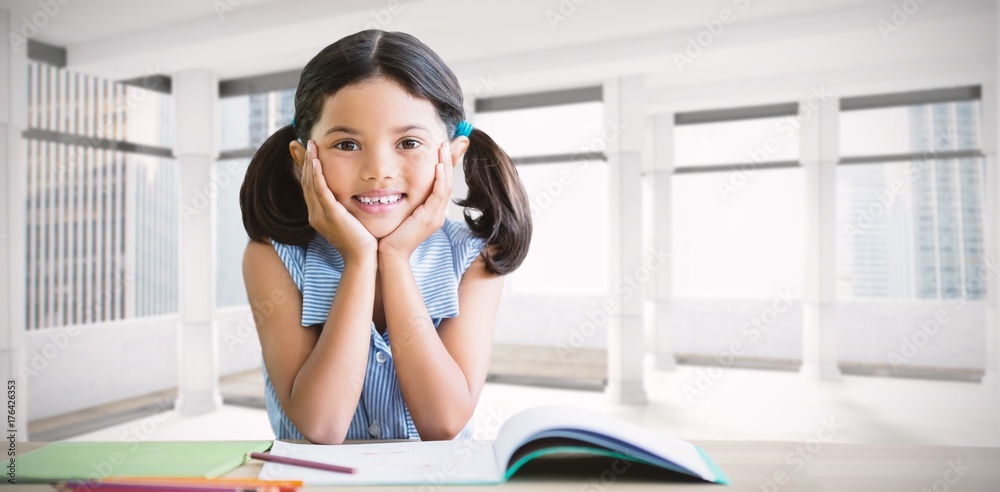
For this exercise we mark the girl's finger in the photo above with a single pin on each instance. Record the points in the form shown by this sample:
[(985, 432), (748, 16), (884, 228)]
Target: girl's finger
[(305, 167), (324, 195), (449, 170), (439, 192), (306, 181)]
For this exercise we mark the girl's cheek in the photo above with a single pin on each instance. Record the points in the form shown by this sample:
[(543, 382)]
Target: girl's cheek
[(417, 164)]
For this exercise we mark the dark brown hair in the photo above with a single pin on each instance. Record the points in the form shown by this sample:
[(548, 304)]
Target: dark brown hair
[(271, 197)]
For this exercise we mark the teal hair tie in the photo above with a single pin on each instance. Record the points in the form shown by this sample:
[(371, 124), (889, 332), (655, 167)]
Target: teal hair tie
[(293, 122), (464, 129)]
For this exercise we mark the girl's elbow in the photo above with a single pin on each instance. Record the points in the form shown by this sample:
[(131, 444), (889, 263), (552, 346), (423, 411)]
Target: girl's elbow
[(444, 431), (322, 432), (324, 436)]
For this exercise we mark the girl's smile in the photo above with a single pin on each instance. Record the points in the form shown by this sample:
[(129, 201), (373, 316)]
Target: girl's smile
[(380, 201), (378, 146)]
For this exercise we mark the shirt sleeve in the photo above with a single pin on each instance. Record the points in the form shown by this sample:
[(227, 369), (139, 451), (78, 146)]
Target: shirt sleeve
[(464, 245), (293, 257)]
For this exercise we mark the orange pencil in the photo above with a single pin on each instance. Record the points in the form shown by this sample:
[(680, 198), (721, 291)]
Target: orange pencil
[(252, 483)]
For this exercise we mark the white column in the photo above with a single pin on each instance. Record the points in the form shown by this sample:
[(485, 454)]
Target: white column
[(819, 151), (13, 182), (991, 130), (623, 103), (196, 94), (662, 285)]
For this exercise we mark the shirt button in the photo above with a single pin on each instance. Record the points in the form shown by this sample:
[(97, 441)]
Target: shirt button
[(374, 429), (381, 357)]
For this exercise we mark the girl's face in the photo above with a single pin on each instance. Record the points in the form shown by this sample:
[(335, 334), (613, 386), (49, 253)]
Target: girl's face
[(375, 139)]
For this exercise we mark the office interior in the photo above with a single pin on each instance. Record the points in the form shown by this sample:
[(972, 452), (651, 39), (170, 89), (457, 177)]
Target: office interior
[(752, 218)]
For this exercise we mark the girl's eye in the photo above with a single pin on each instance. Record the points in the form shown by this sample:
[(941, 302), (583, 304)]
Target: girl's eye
[(346, 145), (410, 144)]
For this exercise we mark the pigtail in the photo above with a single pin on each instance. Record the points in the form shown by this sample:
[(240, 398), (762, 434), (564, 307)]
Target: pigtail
[(496, 191), (271, 197)]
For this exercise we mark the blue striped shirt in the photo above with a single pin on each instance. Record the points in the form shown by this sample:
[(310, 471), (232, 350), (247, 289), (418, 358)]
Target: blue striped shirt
[(438, 265)]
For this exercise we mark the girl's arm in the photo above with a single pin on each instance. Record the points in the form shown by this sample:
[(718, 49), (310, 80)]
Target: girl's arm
[(317, 374), (441, 373)]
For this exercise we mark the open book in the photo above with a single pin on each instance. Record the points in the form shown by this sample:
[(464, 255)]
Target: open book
[(551, 431)]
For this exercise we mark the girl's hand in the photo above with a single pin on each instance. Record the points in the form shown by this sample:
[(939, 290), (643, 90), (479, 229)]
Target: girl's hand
[(329, 217), (426, 218)]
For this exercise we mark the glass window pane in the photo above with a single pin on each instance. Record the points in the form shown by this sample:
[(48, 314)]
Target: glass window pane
[(735, 142), (235, 127), (566, 198), (908, 129), (154, 217), (101, 235), (738, 243), (248, 120), (548, 130), (232, 237), (148, 117), (911, 230)]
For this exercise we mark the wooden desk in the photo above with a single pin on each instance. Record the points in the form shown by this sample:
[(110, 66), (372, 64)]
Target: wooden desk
[(756, 466)]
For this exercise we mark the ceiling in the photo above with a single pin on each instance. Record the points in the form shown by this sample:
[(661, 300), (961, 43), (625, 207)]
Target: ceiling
[(516, 40)]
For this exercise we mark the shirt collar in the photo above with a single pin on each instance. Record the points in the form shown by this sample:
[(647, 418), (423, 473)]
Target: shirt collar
[(432, 263)]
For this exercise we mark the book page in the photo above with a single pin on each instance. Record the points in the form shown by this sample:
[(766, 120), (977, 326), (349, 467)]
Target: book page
[(613, 433), (392, 463)]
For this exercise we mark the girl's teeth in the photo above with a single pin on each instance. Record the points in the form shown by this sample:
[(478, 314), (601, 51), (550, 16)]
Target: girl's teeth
[(384, 199)]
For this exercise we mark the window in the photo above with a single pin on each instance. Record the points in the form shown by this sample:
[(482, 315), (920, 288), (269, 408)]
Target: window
[(910, 206), (738, 230), (101, 200), (730, 142), (559, 154)]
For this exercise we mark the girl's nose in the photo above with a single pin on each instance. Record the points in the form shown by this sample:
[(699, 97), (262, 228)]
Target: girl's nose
[(379, 164)]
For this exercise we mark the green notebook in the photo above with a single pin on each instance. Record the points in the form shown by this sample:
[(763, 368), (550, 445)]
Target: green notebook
[(95, 460)]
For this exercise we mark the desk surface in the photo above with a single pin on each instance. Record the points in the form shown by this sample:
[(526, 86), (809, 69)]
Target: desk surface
[(760, 467)]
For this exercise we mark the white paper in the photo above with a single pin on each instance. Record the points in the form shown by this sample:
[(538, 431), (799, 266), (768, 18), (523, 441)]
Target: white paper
[(401, 463)]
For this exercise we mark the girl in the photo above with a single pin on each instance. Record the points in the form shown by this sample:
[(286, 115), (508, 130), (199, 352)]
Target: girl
[(383, 309)]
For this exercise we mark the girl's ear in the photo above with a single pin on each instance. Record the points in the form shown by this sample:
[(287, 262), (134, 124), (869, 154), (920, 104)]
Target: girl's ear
[(458, 147), (298, 152)]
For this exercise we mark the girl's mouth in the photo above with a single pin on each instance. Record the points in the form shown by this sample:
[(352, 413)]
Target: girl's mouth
[(379, 205)]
